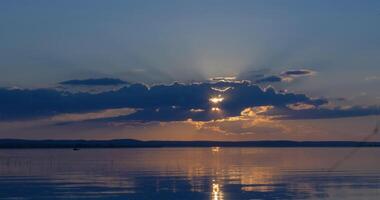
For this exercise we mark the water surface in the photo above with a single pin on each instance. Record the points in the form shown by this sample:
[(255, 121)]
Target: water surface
[(189, 173)]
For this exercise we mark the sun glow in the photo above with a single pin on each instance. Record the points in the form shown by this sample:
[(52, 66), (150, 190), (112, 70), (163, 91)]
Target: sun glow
[(250, 121), (216, 100), (215, 109)]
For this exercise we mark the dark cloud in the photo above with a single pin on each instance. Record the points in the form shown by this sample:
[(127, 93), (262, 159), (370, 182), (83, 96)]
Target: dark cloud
[(323, 113), (339, 99), (298, 72), (269, 79), (266, 76), (159, 102), (175, 102), (95, 82), (166, 114)]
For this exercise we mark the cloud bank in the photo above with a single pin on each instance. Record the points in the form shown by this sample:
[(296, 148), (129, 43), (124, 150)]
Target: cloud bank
[(94, 82), (164, 103), (159, 102)]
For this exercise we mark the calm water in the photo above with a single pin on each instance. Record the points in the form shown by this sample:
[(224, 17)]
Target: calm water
[(189, 173)]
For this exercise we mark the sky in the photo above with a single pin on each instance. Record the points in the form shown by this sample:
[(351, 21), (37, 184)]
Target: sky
[(189, 70)]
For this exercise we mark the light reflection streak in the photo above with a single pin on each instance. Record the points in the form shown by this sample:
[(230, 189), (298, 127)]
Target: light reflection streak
[(215, 149), (217, 193)]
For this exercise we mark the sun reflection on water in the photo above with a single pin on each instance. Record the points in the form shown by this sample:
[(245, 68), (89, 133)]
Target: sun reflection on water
[(215, 149), (180, 173), (217, 194)]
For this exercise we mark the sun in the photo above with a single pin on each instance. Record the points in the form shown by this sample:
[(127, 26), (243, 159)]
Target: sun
[(216, 100), (215, 109)]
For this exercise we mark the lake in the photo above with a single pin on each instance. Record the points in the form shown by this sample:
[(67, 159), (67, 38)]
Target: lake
[(190, 173)]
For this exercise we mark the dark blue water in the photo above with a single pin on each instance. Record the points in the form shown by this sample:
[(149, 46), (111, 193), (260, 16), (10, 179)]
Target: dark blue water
[(189, 173)]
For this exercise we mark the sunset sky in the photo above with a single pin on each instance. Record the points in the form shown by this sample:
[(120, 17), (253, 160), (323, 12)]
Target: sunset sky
[(189, 70)]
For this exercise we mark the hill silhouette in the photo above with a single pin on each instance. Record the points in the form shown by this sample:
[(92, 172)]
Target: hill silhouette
[(130, 143)]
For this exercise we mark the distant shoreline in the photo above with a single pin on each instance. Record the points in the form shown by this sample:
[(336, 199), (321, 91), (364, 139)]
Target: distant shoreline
[(129, 143)]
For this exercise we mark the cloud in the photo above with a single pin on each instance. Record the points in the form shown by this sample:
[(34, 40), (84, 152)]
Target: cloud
[(173, 102), (291, 113), (300, 106), (165, 114), (95, 82), (298, 73), (269, 79), (250, 121), (223, 79), (266, 76), (93, 115)]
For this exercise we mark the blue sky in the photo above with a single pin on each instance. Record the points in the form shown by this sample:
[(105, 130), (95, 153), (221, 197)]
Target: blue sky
[(146, 43)]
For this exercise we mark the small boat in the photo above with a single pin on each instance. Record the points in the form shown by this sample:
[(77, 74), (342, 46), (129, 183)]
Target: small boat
[(75, 149)]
